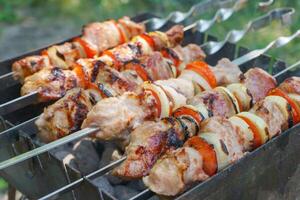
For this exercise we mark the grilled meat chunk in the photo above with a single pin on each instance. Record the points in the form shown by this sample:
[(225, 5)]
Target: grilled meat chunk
[(215, 101), (226, 72), (29, 65), (108, 34), (291, 85), (66, 115), (259, 83), (174, 171), (50, 83), (116, 114), (276, 112)]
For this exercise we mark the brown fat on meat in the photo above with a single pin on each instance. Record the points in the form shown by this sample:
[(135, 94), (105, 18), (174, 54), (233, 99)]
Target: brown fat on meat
[(271, 113), (29, 65), (64, 116), (230, 138), (258, 82), (175, 171), (217, 103), (114, 116), (51, 83), (226, 72), (291, 85)]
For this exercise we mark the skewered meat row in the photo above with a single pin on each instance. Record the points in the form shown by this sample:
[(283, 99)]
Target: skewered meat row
[(154, 101), (52, 83), (222, 141), (151, 140), (67, 114), (96, 37)]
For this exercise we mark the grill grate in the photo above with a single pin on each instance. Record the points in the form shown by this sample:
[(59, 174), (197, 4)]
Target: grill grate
[(45, 173)]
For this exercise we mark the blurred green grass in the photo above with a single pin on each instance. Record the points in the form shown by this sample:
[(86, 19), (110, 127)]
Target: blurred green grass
[(79, 12)]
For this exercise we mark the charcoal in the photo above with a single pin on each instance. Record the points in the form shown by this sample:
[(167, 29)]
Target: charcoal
[(103, 184), (114, 180), (106, 154), (122, 192), (86, 156), (137, 185)]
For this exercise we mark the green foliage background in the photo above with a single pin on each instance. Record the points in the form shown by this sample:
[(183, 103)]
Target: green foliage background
[(79, 12)]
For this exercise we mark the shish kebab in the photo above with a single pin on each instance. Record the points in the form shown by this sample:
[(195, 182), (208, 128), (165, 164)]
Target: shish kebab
[(135, 116), (77, 102), (99, 36), (222, 141), (200, 25), (151, 140), (181, 187)]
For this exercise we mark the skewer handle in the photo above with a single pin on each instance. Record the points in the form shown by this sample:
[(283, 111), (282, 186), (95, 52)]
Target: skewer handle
[(221, 15), (279, 42), (234, 36), (178, 17)]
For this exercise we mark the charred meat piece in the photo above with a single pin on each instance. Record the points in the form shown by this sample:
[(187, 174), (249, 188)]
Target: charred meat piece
[(175, 170), (29, 65), (50, 83), (291, 85), (258, 82), (67, 114)]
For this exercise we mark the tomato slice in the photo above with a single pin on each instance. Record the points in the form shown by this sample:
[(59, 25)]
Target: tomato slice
[(91, 85), (83, 79), (44, 52), (121, 33), (157, 100), (210, 163), (295, 108), (117, 64), (139, 70), (190, 112), (89, 51), (203, 70), (148, 39), (257, 141)]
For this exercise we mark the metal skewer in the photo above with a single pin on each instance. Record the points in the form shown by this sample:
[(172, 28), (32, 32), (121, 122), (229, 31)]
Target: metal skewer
[(279, 42), (201, 25), (209, 47)]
